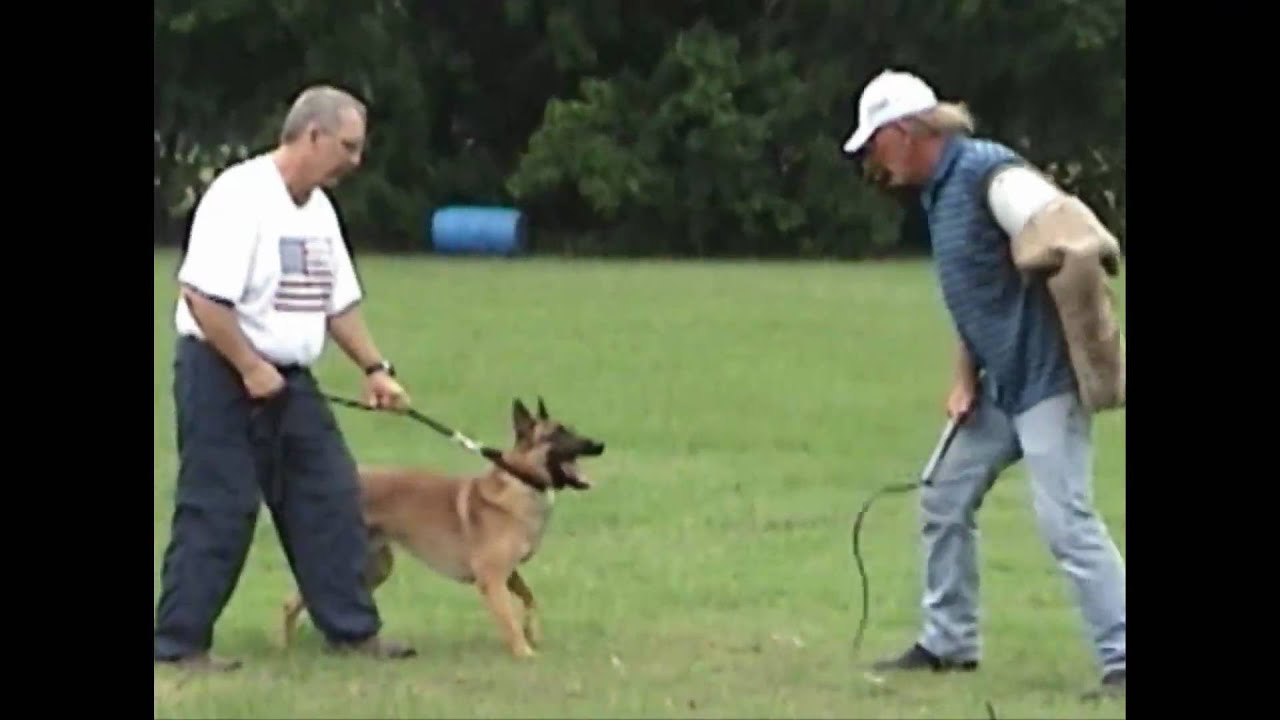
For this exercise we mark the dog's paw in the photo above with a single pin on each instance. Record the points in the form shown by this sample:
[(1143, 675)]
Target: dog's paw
[(523, 652), (533, 631)]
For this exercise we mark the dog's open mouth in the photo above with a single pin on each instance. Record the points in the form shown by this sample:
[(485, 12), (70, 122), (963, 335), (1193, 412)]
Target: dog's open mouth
[(571, 475), (564, 464)]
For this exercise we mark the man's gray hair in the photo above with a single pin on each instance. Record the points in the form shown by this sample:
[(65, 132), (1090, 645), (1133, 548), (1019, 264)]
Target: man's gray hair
[(319, 104), (946, 118)]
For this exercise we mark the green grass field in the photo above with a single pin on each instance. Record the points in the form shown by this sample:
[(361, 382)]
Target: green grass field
[(749, 410)]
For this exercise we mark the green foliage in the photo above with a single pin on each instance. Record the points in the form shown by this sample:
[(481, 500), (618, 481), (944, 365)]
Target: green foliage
[(710, 153), (708, 128)]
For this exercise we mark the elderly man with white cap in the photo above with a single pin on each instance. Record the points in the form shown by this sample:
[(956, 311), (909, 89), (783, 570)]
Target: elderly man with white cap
[(1014, 394)]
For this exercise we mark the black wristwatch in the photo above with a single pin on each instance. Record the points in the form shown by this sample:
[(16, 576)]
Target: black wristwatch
[(381, 365)]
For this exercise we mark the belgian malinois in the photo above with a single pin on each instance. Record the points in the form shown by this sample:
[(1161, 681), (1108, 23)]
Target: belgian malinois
[(476, 530)]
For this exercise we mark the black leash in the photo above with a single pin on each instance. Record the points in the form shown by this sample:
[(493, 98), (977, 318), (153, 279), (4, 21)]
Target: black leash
[(926, 478), (491, 454), (436, 425), (857, 552)]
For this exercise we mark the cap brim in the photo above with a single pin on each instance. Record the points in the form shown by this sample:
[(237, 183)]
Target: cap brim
[(859, 138)]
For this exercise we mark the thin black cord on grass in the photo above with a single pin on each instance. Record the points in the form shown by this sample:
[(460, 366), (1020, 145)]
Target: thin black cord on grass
[(857, 552), (926, 478), (862, 570), (948, 435)]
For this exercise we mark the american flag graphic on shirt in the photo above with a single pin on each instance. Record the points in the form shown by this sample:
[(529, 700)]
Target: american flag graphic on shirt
[(306, 275)]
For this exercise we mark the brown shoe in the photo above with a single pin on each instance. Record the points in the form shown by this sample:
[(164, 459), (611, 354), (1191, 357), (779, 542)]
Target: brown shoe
[(375, 647), (202, 662)]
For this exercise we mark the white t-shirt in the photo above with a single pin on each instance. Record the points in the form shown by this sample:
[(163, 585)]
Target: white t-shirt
[(284, 267), (1017, 193)]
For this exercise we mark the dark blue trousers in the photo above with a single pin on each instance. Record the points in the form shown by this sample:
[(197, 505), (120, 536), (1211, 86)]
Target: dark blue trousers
[(234, 453)]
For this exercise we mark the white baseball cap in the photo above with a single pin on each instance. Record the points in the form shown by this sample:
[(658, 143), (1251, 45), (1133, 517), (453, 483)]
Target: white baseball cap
[(889, 96)]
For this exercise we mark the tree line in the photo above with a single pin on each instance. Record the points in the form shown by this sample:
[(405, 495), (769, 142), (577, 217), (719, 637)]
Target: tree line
[(683, 128)]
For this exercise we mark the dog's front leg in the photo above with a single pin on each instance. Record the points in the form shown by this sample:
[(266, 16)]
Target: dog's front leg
[(497, 597), (532, 628)]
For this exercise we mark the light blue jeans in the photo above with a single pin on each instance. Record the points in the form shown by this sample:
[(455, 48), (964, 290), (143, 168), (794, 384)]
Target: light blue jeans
[(1054, 439)]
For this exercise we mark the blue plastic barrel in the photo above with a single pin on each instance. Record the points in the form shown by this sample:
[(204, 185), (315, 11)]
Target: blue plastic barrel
[(478, 230)]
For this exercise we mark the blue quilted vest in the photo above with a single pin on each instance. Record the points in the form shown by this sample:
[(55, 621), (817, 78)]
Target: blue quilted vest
[(1009, 323)]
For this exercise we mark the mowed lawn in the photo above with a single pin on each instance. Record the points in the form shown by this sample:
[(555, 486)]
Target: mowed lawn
[(749, 410)]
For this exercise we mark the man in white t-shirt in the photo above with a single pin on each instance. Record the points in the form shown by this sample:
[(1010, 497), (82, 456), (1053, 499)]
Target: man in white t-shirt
[(265, 279)]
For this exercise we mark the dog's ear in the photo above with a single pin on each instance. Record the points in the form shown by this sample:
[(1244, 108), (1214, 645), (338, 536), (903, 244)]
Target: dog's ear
[(542, 409), (521, 420)]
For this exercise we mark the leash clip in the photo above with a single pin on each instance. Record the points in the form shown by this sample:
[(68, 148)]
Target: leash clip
[(467, 442)]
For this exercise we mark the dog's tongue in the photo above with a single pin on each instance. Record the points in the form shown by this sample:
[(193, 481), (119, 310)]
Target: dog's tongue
[(570, 469)]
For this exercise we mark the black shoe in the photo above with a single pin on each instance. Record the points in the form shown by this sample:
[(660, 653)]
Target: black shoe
[(375, 647), (1112, 687), (917, 658), (201, 663)]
